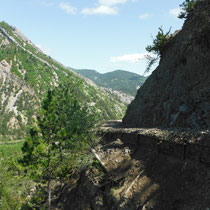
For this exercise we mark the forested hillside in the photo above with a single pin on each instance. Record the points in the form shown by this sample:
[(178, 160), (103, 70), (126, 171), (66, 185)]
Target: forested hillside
[(120, 80), (26, 74)]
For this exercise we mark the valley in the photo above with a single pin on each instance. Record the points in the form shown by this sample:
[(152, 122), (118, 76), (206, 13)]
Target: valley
[(76, 139)]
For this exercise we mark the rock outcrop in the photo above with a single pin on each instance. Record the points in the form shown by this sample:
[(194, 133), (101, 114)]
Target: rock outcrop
[(177, 94)]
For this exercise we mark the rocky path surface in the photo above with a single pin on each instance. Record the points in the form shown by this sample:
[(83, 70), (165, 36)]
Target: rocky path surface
[(141, 176)]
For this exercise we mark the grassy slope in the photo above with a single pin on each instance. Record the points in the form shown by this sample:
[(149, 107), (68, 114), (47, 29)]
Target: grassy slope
[(14, 186)]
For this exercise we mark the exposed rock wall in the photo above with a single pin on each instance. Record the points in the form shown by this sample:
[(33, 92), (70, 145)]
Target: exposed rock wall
[(177, 94), (183, 144)]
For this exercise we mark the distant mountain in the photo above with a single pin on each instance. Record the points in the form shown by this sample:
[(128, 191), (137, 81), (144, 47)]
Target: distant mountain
[(120, 80), (26, 74)]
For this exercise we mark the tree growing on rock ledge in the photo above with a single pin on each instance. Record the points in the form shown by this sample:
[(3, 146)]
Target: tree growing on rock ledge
[(161, 38), (187, 7), (158, 42)]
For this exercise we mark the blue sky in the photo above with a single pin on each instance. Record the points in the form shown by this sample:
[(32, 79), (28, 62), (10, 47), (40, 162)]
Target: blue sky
[(104, 35)]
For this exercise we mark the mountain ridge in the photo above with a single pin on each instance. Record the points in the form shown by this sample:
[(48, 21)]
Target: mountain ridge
[(26, 73), (119, 80)]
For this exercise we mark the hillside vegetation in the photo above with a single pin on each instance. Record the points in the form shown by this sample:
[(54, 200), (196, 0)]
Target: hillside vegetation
[(120, 80), (14, 186), (26, 74)]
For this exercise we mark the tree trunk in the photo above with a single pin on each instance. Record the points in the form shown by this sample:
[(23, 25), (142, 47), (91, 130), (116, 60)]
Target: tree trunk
[(49, 193), (49, 174)]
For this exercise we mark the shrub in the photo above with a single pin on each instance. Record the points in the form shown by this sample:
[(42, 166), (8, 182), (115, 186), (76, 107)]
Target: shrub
[(187, 7), (160, 40)]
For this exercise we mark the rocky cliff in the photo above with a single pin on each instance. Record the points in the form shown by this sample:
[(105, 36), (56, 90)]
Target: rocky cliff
[(177, 94), (157, 168)]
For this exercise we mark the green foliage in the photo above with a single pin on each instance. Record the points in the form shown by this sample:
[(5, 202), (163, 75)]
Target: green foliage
[(30, 79), (61, 140), (14, 186), (6, 26), (187, 7), (151, 60), (160, 40), (119, 80)]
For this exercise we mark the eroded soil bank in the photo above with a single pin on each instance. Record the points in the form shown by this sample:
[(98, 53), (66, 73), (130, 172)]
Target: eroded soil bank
[(144, 169)]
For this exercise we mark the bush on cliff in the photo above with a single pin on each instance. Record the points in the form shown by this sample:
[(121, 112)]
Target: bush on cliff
[(187, 7), (159, 41)]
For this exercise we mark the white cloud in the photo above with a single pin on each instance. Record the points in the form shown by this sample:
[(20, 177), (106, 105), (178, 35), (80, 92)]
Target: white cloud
[(111, 2), (103, 10), (130, 58), (175, 11), (68, 8), (144, 16), (46, 50), (105, 7)]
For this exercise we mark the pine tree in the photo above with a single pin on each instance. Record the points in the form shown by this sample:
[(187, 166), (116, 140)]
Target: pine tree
[(158, 42), (59, 140), (187, 7)]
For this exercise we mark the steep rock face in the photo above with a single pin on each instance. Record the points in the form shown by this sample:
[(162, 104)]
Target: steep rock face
[(177, 94)]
